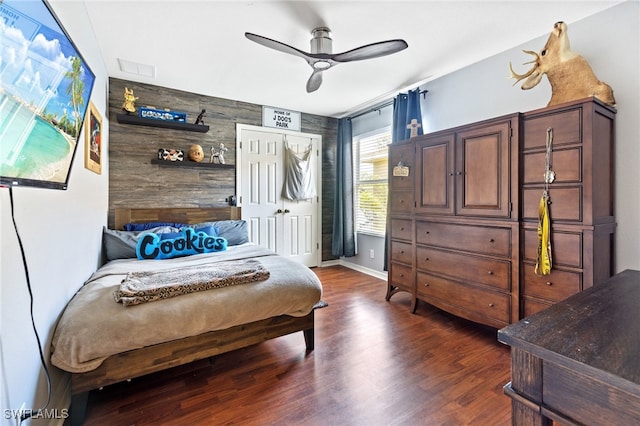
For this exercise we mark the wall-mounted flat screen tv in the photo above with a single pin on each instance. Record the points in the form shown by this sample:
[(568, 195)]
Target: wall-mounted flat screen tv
[(45, 86)]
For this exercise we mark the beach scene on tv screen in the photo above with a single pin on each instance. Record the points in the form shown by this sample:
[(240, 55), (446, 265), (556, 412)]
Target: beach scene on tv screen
[(44, 91)]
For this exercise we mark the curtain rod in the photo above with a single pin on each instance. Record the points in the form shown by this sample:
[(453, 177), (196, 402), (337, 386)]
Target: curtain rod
[(379, 107)]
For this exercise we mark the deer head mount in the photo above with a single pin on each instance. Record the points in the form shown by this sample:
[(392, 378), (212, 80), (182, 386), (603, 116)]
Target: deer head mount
[(569, 74)]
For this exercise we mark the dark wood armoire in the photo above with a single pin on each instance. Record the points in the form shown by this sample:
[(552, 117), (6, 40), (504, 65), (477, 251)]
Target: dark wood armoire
[(463, 223)]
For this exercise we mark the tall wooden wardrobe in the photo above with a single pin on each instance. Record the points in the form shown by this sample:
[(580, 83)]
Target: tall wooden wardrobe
[(463, 206)]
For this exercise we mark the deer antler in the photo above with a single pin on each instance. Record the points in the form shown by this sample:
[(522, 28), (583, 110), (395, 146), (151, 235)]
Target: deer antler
[(519, 77)]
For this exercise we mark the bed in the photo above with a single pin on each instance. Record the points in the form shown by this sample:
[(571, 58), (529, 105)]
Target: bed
[(102, 340)]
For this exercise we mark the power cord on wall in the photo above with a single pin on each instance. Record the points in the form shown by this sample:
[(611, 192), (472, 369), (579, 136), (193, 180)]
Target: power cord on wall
[(26, 414)]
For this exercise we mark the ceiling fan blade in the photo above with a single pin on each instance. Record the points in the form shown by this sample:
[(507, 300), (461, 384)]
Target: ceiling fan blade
[(373, 50), (314, 81), (279, 46)]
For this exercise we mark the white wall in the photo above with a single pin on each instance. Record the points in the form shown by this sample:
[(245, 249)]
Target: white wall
[(61, 232), (610, 41)]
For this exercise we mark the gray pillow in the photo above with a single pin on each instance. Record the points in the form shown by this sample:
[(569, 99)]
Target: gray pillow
[(234, 231), (122, 244)]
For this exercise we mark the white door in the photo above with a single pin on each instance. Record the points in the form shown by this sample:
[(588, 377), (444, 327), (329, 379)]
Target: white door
[(290, 228)]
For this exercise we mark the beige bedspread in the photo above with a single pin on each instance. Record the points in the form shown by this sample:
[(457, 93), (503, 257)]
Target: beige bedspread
[(94, 327)]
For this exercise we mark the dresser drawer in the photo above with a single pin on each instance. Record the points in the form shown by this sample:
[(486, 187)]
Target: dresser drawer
[(565, 125), (533, 306), (401, 202), (566, 203), (404, 154), (401, 182), (480, 270), (487, 240), (566, 163), (401, 229), (566, 247), (401, 252), (484, 302), (556, 286), (401, 275)]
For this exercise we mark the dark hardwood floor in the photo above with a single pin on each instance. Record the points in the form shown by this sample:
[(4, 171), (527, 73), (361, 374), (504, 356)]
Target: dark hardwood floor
[(374, 363)]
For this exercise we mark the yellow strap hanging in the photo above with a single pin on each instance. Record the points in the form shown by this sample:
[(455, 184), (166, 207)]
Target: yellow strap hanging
[(544, 258), (543, 262)]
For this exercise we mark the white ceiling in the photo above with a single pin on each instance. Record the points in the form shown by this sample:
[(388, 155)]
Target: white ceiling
[(200, 47)]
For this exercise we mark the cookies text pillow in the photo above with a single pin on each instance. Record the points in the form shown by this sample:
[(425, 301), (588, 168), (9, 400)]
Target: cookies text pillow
[(187, 243)]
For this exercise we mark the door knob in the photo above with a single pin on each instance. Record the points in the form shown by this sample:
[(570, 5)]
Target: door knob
[(287, 211), (278, 211)]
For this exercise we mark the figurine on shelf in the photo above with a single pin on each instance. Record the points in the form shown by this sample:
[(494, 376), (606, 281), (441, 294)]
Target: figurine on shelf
[(129, 104), (196, 153), (218, 155), (199, 119)]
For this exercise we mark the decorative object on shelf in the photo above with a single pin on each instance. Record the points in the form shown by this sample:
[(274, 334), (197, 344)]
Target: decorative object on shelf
[(129, 104), (170, 154), (200, 119), (196, 153), (569, 74), (162, 115), (218, 155), (413, 126), (149, 122), (93, 136)]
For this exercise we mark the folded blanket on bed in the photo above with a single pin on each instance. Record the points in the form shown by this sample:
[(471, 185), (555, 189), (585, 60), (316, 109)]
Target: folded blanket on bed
[(141, 287)]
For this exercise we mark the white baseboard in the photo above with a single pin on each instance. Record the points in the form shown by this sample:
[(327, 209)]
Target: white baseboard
[(377, 274)]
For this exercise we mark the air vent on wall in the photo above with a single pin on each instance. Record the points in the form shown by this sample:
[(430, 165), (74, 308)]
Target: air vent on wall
[(137, 68)]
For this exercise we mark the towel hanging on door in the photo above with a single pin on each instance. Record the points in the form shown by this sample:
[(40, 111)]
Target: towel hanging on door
[(298, 178), (544, 261)]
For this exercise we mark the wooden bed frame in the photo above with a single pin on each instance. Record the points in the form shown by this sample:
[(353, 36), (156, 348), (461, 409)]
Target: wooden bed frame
[(150, 359)]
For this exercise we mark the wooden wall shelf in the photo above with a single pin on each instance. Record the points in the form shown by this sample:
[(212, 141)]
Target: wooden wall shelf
[(176, 125), (187, 163)]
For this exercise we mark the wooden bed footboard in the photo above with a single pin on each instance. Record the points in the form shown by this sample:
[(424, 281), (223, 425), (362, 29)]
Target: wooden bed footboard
[(150, 359)]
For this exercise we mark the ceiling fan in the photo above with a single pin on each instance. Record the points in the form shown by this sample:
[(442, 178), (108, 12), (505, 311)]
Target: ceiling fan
[(321, 57)]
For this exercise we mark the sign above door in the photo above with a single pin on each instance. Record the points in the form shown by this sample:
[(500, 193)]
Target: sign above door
[(280, 118)]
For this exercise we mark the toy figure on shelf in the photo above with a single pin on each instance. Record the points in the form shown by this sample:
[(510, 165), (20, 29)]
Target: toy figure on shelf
[(129, 104), (196, 153), (199, 119), (218, 155)]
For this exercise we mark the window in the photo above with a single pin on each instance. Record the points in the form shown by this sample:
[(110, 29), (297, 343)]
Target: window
[(371, 181)]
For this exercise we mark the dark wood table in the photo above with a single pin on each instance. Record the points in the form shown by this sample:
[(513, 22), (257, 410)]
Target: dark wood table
[(578, 362)]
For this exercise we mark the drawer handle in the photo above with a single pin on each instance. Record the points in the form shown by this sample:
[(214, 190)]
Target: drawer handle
[(401, 275), (401, 251), (490, 272), (491, 305), (549, 283), (426, 284), (427, 232), (401, 228), (401, 201), (426, 258), (491, 240)]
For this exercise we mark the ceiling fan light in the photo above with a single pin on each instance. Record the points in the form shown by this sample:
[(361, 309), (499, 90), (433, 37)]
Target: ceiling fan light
[(321, 65)]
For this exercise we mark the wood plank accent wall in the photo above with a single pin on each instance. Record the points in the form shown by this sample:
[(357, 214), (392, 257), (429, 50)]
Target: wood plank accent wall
[(135, 182)]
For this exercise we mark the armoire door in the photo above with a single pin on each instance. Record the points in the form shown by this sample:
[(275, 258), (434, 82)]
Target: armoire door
[(288, 227), (435, 181), (482, 174)]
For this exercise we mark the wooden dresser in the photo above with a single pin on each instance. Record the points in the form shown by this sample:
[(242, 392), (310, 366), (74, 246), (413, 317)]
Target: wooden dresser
[(576, 363), (463, 224), (582, 200)]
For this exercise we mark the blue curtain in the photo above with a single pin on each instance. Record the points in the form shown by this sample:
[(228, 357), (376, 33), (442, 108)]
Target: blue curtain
[(343, 242), (406, 107)]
